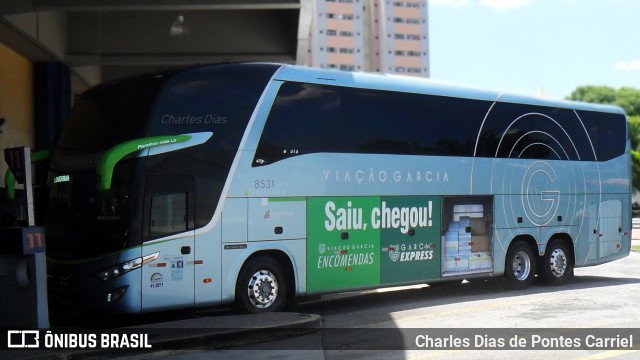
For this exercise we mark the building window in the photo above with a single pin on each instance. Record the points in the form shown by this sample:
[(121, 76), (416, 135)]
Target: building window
[(339, 16), (413, 53), (347, 67), (400, 69), (331, 49), (398, 4), (344, 16), (332, 33), (398, 20), (413, 37), (399, 52), (410, 4), (412, 21), (346, 33), (398, 36), (413, 70), (346, 50)]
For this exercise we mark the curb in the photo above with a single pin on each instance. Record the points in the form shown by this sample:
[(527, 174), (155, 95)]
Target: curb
[(211, 333), (229, 331)]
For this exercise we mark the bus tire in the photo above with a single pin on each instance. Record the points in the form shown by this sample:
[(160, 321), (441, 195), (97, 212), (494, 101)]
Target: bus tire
[(520, 265), (261, 286), (557, 265)]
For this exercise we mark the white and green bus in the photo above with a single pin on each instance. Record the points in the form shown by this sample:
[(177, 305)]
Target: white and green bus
[(254, 184)]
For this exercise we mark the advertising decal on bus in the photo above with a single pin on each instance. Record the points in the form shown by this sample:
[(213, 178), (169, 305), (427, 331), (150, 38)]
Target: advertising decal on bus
[(364, 241)]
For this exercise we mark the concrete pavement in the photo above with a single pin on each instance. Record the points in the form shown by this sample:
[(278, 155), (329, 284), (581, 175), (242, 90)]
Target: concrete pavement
[(228, 331), (215, 332)]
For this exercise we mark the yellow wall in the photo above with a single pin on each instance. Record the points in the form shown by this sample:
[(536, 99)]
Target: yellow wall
[(16, 103)]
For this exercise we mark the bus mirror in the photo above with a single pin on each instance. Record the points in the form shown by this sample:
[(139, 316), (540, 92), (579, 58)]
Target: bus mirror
[(10, 179), (37, 156), (10, 184), (112, 156)]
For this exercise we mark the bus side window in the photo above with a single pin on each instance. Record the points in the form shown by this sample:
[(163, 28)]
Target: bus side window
[(168, 214), (608, 133), (168, 205)]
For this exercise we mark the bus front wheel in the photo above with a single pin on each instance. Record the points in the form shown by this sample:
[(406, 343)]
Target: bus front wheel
[(520, 265), (557, 265), (261, 286)]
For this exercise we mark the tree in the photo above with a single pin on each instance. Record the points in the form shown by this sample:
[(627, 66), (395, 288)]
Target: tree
[(634, 130), (629, 99), (626, 97), (594, 94)]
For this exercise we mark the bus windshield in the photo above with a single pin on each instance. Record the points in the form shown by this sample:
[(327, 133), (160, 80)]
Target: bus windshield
[(86, 222), (83, 222), (108, 115)]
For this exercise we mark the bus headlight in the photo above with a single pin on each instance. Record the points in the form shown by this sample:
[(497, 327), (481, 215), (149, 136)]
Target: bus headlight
[(125, 267)]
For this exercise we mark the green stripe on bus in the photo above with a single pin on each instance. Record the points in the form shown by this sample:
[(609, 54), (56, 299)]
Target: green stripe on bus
[(110, 158), (288, 199)]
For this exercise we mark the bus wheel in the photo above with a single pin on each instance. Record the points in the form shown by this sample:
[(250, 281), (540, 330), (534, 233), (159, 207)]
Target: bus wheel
[(557, 265), (261, 286), (520, 265)]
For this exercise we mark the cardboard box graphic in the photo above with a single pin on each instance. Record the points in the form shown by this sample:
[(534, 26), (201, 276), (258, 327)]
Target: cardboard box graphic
[(480, 243)]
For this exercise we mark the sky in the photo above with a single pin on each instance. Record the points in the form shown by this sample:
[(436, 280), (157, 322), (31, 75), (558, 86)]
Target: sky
[(534, 47)]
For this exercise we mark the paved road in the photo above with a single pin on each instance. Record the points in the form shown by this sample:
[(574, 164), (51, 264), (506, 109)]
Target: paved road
[(600, 297)]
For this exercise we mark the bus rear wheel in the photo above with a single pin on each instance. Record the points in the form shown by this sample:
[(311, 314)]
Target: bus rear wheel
[(520, 265), (557, 265), (261, 286)]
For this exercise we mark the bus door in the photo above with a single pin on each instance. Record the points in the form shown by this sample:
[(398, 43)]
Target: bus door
[(609, 234), (168, 228)]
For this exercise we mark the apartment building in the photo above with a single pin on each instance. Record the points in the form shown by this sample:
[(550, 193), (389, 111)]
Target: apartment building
[(371, 35)]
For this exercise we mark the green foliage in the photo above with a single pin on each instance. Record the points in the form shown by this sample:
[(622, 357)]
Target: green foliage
[(629, 100), (635, 168), (594, 94), (626, 97), (634, 129)]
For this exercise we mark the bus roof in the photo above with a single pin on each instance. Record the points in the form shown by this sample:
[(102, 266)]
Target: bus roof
[(423, 86), (390, 82)]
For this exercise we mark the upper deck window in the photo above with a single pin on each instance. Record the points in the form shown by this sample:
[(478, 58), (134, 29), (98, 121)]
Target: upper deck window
[(308, 118), (109, 114), (312, 118)]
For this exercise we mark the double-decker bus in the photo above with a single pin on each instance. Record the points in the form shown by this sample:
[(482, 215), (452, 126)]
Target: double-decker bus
[(253, 184)]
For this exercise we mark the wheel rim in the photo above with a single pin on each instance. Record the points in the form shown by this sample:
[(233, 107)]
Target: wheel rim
[(521, 265), (558, 262), (263, 289)]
